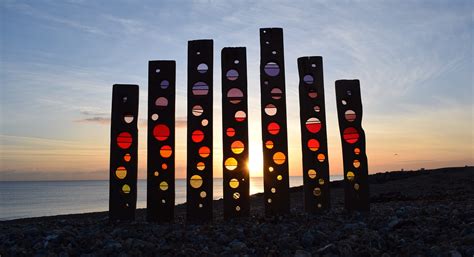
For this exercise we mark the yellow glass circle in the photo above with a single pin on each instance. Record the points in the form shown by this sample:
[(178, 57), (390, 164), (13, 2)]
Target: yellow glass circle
[(195, 181), (121, 172), (312, 173), (350, 175), (164, 186), (230, 163), (234, 183), (126, 189)]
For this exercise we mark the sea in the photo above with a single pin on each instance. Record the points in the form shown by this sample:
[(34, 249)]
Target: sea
[(25, 199)]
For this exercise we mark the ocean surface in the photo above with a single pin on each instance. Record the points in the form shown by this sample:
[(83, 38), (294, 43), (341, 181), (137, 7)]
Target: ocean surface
[(23, 199)]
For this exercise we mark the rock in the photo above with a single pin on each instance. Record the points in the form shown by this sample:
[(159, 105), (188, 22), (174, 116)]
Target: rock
[(469, 239), (302, 253), (237, 246), (454, 253), (393, 223), (112, 245), (326, 248), (345, 250), (307, 239)]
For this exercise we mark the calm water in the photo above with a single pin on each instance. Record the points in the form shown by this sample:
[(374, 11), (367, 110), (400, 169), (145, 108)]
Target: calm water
[(43, 198)]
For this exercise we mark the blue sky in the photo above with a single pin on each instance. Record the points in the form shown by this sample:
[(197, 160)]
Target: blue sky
[(59, 60)]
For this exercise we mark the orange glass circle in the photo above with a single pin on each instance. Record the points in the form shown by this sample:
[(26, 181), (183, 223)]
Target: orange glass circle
[(166, 151), (204, 151)]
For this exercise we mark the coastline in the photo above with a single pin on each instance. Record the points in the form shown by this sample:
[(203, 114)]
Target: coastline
[(412, 212)]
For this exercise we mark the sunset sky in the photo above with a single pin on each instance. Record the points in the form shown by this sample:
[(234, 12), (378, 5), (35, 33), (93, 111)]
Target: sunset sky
[(59, 60)]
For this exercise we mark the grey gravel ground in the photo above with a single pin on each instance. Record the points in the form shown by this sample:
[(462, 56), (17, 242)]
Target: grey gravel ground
[(420, 213)]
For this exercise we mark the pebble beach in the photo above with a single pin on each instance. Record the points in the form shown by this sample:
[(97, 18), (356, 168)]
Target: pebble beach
[(413, 213)]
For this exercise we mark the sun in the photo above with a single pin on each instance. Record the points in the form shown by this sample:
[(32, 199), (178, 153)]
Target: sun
[(255, 163)]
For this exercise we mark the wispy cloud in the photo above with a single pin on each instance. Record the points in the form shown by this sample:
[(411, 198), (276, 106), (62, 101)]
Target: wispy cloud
[(27, 9)]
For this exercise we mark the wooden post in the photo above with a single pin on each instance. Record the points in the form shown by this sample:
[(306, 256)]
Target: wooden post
[(313, 134), (199, 134), (349, 112), (123, 153), (235, 132), (274, 131), (161, 141)]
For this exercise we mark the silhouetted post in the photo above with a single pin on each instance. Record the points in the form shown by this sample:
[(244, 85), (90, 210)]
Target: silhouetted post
[(274, 131), (235, 132), (161, 141), (199, 147), (123, 153), (349, 112), (313, 134)]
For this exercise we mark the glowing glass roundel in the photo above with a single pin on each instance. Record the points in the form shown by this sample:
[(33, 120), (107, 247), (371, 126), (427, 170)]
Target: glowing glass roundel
[(197, 110), (312, 93), (197, 136), (128, 118), (313, 125), (164, 84), (161, 102), (166, 151), (273, 128), (276, 93), (350, 115), (204, 151), (200, 88), (312, 173), (350, 135), (235, 95), (237, 147), (202, 68), (269, 144), (234, 183), (230, 132), (121, 172), (357, 151), (127, 157), (161, 132), (231, 163), (200, 166), (350, 175), (126, 189), (308, 79), (124, 140), (196, 181), (232, 75), (313, 144), (279, 158), (164, 186), (240, 116), (270, 109), (272, 69), (321, 157)]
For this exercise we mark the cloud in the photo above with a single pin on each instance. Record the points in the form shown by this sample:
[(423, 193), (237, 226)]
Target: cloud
[(97, 120), (36, 13)]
